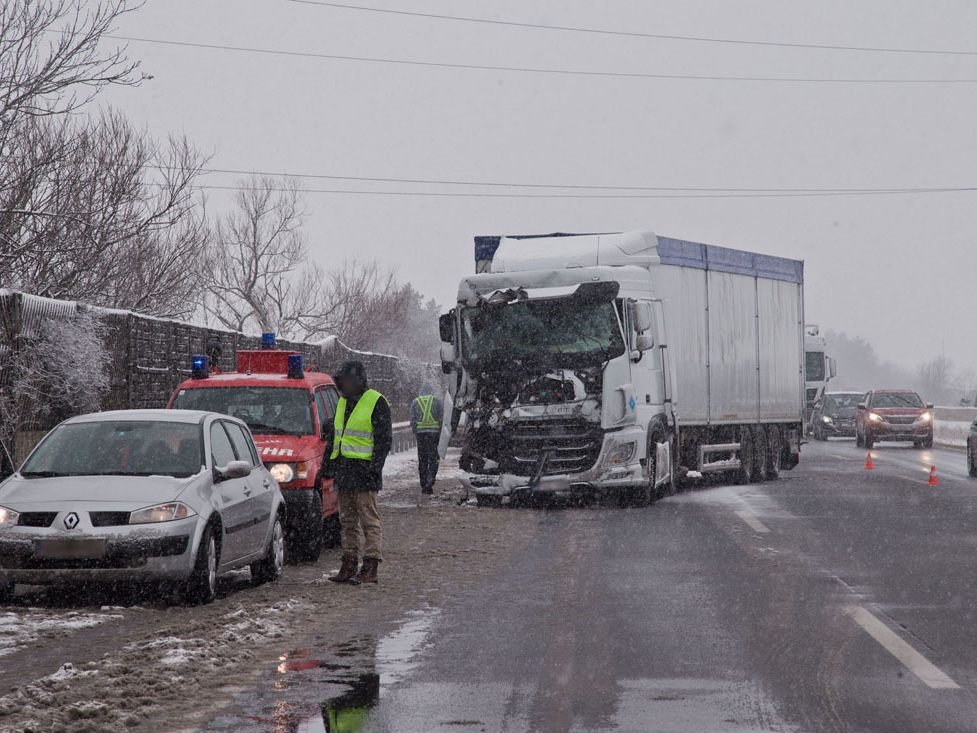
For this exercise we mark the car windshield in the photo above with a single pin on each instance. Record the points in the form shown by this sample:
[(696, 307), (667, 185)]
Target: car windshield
[(532, 328), (840, 401), (118, 448), (896, 399), (266, 410)]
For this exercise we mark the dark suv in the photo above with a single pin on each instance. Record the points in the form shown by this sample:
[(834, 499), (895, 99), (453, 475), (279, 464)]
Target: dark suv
[(894, 414), (834, 415)]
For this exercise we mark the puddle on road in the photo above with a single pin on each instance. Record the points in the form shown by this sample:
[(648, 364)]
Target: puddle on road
[(332, 688)]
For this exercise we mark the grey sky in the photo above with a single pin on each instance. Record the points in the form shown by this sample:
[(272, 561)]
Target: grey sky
[(896, 269)]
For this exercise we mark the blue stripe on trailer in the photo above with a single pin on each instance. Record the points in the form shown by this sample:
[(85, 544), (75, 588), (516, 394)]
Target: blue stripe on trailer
[(724, 259)]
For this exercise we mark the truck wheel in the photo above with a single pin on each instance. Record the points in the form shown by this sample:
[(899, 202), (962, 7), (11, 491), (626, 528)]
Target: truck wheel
[(761, 454), (747, 456), (270, 568), (775, 452), (201, 586), (331, 530), (308, 543)]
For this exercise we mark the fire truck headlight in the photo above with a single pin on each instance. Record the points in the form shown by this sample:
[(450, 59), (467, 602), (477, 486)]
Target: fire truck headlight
[(8, 517), (282, 472)]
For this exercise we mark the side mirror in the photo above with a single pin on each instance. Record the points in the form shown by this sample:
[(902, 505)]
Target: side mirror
[(446, 327), (448, 356), (234, 469), (930, 405), (860, 406), (644, 341), (641, 317)]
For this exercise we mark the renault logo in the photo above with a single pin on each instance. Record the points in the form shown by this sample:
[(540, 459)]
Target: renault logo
[(71, 521)]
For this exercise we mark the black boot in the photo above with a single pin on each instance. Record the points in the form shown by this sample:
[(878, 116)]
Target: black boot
[(368, 573), (347, 571)]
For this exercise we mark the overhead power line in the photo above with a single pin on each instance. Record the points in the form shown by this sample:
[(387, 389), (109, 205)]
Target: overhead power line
[(636, 34), (573, 186), (466, 194), (538, 70)]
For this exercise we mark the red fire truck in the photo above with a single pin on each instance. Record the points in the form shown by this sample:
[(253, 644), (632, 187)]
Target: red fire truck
[(289, 410)]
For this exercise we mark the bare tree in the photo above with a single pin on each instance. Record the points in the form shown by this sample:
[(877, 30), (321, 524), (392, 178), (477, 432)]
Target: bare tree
[(259, 273), (99, 211), (936, 378), (62, 372), (365, 305), (53, 58)]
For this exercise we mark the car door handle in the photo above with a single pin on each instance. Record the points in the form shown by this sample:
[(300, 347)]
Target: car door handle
[(247, 491), (266, 483)]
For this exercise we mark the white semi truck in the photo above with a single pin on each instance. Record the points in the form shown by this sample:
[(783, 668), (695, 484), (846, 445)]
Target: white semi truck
[(617, 364), (819, 368)]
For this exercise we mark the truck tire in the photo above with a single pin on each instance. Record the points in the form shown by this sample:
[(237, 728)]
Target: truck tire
[(308, 542), (775, 452), (747, 456), (761, 454)]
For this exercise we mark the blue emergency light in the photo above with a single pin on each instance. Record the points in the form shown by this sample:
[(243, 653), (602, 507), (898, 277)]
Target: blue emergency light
[(296, 366), (268, 341), (200, 366)]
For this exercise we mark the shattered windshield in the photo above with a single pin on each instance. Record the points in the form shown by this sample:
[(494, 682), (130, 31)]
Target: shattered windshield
[(266, 410), (531, 328)]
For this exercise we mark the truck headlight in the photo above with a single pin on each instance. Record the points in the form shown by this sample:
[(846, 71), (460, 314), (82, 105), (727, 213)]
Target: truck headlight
[(8, 517), (168, 512), (621, 454), (874, 418), (281, 472)]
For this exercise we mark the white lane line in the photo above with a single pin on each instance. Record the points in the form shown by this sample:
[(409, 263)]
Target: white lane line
[(929, 673), (755, 524)]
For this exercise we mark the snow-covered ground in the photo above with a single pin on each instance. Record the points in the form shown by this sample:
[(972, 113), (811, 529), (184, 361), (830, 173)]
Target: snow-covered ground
[(24, 627)]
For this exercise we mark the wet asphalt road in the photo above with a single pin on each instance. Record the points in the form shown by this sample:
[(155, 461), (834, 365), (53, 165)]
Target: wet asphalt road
[(835, 599)]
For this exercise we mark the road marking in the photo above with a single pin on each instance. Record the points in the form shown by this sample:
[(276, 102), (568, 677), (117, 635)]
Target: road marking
[(755, 524), (915, 662)]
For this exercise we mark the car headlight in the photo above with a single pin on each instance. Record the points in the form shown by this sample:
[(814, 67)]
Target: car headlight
[(825, 418), (874, 418), (282, 472), (8, 517), (620, 455), (926, 417), (168, 512)]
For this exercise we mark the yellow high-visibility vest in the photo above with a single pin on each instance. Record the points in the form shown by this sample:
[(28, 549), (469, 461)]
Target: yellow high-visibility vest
[(355, 439), (427, 421)]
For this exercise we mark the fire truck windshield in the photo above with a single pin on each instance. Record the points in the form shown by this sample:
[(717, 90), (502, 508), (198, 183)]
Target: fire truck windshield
[(266, 410)]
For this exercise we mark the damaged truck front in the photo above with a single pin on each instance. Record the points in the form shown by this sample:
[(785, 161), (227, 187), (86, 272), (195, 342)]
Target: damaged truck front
[(561, 373)]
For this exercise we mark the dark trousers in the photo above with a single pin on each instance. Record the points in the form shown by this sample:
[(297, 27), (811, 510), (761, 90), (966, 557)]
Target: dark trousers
[(427, 457)]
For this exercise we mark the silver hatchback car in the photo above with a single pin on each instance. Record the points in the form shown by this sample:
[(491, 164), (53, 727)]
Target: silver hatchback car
[(158, 495)]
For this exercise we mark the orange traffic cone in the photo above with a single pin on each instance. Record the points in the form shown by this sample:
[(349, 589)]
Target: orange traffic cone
[(933, 480), (868, 461)]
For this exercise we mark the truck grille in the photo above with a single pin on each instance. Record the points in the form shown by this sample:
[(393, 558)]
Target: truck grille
[(572, 446)]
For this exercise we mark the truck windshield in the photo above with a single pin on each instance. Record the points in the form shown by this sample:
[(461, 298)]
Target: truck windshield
[(118, 448), (815, 366), (543, 327), (266, 410)]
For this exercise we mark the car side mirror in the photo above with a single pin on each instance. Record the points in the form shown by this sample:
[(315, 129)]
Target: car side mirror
[(234, 469), (930, 405), (860, 406)]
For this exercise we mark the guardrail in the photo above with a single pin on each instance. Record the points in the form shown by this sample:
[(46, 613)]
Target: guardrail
[(404, 439)]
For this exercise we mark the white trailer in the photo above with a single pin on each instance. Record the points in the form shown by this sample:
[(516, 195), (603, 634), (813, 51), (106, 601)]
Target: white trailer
[(620, 363)]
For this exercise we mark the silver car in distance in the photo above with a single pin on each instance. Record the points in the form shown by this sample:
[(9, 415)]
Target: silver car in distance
[(158, 495)]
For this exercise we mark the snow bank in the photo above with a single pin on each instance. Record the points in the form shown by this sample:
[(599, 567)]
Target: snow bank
[(951, 432)]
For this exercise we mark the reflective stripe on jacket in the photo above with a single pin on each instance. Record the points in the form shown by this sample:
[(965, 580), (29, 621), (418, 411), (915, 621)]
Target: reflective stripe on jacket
[(423, 414), (355, 439)]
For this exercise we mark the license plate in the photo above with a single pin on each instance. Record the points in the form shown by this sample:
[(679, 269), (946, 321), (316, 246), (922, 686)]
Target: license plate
[(558, 483), (69, 549)]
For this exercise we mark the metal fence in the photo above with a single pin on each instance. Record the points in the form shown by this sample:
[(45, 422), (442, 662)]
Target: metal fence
[(150, 356)]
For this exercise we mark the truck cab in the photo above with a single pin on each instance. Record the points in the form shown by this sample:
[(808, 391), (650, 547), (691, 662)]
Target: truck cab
[(819, 369), (289, 410)]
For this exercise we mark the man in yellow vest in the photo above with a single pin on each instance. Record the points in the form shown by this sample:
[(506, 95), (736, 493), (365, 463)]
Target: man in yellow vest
[(361, 439), (425, 419)]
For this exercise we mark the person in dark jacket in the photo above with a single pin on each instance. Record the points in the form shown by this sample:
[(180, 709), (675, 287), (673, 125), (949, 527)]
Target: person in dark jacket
[(425, 419), (361, 438)]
